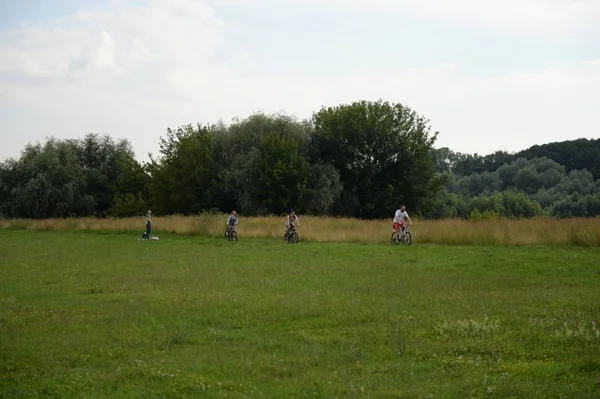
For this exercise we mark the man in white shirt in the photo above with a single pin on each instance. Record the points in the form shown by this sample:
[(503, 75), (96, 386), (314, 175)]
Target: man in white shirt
[(399, 218), (290, 219)]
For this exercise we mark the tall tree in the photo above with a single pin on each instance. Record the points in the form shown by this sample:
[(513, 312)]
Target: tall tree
[(444, 159), (47, 181), (105, 163), (269, 171), (185, 178), (382, 152)]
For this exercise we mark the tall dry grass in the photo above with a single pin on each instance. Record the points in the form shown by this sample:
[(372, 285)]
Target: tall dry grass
[(542, 231)]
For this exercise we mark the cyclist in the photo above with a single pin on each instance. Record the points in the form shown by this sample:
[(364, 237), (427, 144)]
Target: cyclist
[(399, 217), (291, 219), (232, 220)]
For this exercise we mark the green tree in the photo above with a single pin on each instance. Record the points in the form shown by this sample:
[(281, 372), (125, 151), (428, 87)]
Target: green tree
[(8, 181), (573, 154), (48, 181), (110, 169), (518, 205), (488, 203), (69, 178), (269, 171), (323, 189), (128, 204), (185, 179), (528, 180), (241, 178), (446, 205), (444, 159), (382, 152), (467, 164), (284, 173), (479, 183)]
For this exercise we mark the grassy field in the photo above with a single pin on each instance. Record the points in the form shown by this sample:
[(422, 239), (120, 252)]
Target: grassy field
[(542, 231), (95, 315)]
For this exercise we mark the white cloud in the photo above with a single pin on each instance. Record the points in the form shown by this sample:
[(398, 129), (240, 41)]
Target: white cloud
[(566, 19), (120, 38), (133, 69)]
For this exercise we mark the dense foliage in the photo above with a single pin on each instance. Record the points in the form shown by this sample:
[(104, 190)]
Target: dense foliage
[(573, 155), (526, 184), (92, 176), (382, 154), (357, 160)]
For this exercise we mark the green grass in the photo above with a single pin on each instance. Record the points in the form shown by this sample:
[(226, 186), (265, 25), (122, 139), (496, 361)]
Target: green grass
[(95, 315)]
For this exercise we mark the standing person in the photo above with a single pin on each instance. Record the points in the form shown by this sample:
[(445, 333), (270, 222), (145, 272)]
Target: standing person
[(148, 225), (399, 217), (232, 220), (291, 219)]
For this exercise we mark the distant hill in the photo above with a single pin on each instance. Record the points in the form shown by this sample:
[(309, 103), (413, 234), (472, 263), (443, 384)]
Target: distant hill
[(572, 154)]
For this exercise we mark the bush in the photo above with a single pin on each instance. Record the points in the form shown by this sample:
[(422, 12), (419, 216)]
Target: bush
[(486, 215)]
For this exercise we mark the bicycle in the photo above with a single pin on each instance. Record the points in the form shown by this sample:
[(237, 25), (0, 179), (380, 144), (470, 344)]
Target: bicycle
[(403, 236), (231, 234), (290, 236)]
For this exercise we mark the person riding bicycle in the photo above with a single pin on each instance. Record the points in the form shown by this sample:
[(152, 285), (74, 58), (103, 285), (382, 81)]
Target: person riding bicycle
[(232, 220), (291, 219), (399, 217)]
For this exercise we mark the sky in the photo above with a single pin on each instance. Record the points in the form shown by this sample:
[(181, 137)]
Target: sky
[(488, 75)]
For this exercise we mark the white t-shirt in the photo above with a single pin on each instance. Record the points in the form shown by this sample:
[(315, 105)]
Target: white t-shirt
[(400, 216)]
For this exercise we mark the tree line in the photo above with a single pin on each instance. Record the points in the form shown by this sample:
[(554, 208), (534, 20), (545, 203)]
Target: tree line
[(361, 159), (557, 179), (357, 160)]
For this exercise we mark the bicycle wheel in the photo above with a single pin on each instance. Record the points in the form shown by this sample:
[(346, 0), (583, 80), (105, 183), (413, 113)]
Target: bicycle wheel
[(226, 235), (394, 239), (233, 236), (407, 238), (286, 237), (294, 238)]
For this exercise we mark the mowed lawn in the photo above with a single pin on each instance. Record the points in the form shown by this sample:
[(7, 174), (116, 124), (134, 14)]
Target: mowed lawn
[(92, 315)]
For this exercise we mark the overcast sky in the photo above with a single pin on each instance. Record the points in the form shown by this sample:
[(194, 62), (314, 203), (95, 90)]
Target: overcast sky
[(489, 75)]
